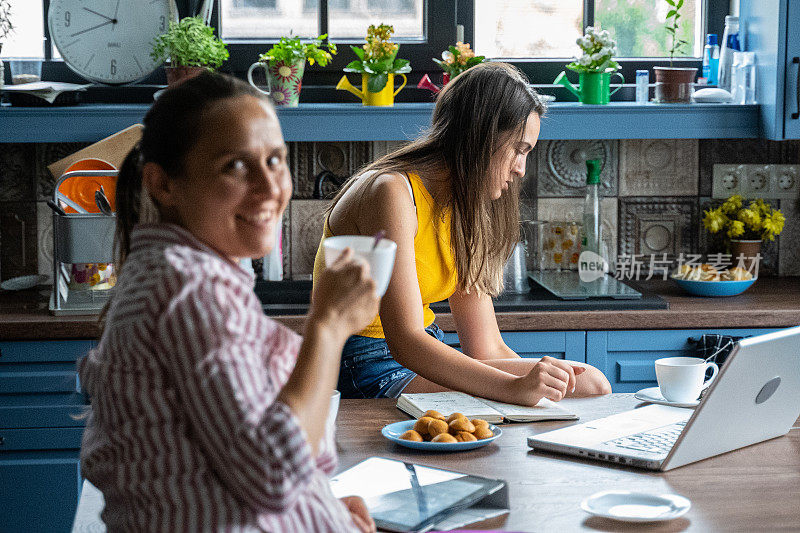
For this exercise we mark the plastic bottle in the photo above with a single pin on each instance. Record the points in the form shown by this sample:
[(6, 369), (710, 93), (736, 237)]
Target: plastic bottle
[(591, 239), (730, 41), (642, 86), (711, 59), (743, 79)]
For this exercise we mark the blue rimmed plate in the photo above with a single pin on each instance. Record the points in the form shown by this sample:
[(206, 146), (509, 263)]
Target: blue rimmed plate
[(393, 432)]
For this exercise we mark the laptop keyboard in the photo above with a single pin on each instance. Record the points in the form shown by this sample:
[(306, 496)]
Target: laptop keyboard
[(659, 440)]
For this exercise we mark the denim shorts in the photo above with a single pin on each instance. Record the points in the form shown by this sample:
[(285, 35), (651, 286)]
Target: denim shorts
[(368, 370)]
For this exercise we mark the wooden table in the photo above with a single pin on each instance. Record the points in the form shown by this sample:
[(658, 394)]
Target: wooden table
[(753, 489)]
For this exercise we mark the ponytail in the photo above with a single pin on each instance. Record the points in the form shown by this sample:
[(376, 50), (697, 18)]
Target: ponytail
[(129, 192)]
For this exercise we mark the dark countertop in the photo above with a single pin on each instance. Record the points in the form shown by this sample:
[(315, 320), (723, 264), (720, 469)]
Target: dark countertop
[(770, 302)]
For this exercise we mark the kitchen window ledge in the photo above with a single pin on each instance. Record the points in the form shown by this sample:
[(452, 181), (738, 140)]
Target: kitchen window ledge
[(354, 122)]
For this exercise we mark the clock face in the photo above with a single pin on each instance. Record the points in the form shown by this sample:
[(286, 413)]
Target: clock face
[(108, 40)]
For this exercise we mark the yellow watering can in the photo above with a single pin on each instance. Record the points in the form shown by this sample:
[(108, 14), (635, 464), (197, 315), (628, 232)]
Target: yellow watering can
[(385, 97)]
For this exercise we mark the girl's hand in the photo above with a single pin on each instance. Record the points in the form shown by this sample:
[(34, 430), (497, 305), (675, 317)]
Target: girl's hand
[(359, 513), (344, 295), (550, 378)]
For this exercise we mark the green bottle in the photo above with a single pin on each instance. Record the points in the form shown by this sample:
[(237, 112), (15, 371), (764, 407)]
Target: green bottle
[(592, 230)]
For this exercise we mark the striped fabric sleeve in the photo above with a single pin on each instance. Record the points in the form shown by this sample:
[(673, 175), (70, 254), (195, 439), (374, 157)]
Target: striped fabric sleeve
[(255, 444)]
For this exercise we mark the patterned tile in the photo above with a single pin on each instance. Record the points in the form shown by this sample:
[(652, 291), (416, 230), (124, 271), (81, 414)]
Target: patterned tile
[(561, 166), (46, 154), (714, 151), (17, 168), (657, 226), (18, 239), (381, 148), (44, 238), (658, 167), (571, 210), (305, 232), (789, 239), (308, 159)]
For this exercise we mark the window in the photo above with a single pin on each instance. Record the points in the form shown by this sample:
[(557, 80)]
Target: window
[(549, 28), (264, 20), (27, 39), (537, 35)]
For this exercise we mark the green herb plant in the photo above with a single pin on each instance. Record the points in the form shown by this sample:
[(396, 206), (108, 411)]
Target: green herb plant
[(293, 50), (672, 26), (190, 43), (378, 58)]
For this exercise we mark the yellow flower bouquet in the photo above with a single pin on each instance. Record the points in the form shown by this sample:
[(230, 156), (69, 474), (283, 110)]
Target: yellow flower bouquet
[(757, 220)]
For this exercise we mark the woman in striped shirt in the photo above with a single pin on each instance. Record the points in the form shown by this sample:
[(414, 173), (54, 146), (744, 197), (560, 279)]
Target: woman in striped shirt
[(206, 415)]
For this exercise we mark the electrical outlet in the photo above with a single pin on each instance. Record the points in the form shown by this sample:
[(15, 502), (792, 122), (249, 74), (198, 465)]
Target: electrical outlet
[(757, 183), (786, 181), (727, 180)]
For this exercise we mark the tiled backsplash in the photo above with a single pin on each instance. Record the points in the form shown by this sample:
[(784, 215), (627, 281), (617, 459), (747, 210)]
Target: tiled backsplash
[(655, 192)]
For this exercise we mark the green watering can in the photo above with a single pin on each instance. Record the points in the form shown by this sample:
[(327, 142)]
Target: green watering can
[(594, 87)]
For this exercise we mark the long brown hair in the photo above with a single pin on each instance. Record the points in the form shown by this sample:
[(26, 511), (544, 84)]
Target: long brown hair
[(475, 118)]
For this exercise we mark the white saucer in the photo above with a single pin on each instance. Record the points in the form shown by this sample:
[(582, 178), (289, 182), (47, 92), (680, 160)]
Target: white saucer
[(629, 506), (23, 282), (653, 395)]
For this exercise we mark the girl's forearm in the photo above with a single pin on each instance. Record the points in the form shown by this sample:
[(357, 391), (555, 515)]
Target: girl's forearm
[(308, 390), (445, 366)]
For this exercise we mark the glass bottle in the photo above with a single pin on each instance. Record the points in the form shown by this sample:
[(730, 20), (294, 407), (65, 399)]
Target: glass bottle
[(591, 238)]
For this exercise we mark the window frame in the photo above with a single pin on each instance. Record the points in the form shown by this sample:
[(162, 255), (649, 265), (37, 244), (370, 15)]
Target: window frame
[(541, 71)]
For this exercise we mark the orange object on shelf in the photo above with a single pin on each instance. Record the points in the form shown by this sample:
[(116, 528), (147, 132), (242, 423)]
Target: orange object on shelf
[(81, 189)]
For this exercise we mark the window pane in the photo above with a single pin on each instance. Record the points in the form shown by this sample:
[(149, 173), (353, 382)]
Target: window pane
[(27, 39), (268, 19), (349, 19), (527, 28), (638, 27)]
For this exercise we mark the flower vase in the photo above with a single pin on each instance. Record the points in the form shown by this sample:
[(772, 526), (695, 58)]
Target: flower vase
[(445, 78), (750, 251)]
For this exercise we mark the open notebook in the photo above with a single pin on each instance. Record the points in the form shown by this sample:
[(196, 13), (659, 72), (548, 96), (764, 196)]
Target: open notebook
[(489, 410)]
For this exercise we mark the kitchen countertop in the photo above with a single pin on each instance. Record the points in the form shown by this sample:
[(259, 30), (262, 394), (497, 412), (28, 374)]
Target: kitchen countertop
[(770, 302)]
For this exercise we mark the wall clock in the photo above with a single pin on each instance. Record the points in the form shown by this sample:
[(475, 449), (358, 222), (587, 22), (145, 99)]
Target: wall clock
[(109, 41)]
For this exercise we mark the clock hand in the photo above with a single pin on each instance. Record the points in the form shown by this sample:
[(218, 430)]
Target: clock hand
[(116, 10), (100, 14), (93, 28)]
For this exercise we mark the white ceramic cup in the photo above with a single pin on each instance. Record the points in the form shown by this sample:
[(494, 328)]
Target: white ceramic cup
[(333, 410), (681, 379), (380, 258)]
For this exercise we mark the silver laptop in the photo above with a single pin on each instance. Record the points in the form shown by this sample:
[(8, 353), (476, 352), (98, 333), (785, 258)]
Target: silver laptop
[(755, 397)]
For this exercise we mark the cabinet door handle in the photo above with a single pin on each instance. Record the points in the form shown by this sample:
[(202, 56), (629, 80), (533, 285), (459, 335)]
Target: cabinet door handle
[(796, 114)]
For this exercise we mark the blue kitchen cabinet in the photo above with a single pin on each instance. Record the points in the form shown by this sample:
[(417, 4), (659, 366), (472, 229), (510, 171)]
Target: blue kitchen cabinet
[(40, 436), (559, 344), (770, 28), (627, 357)]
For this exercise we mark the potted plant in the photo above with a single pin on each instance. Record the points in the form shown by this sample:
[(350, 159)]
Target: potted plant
[(674, 84), (5, 30), (377, 63), (455, 60), (191, 47), (595, 67), (744, 227), (284, 64)]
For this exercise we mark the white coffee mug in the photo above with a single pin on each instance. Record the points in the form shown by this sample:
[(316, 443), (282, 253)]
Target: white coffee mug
[(333, 410), (380, 257), (681, 379)]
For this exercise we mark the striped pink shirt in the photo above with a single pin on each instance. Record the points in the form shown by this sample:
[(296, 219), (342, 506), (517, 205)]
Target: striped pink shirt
[(185, 432)]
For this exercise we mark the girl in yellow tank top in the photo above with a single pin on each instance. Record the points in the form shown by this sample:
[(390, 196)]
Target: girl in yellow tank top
[(450, 202)]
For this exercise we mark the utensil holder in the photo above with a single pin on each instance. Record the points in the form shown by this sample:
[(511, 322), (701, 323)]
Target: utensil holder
[(80, 238)]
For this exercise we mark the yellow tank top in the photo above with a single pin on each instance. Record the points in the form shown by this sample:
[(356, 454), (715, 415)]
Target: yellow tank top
[(436, 272)]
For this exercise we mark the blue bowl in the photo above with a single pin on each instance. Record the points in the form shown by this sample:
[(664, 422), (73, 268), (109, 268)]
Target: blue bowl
[(714, 288)]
